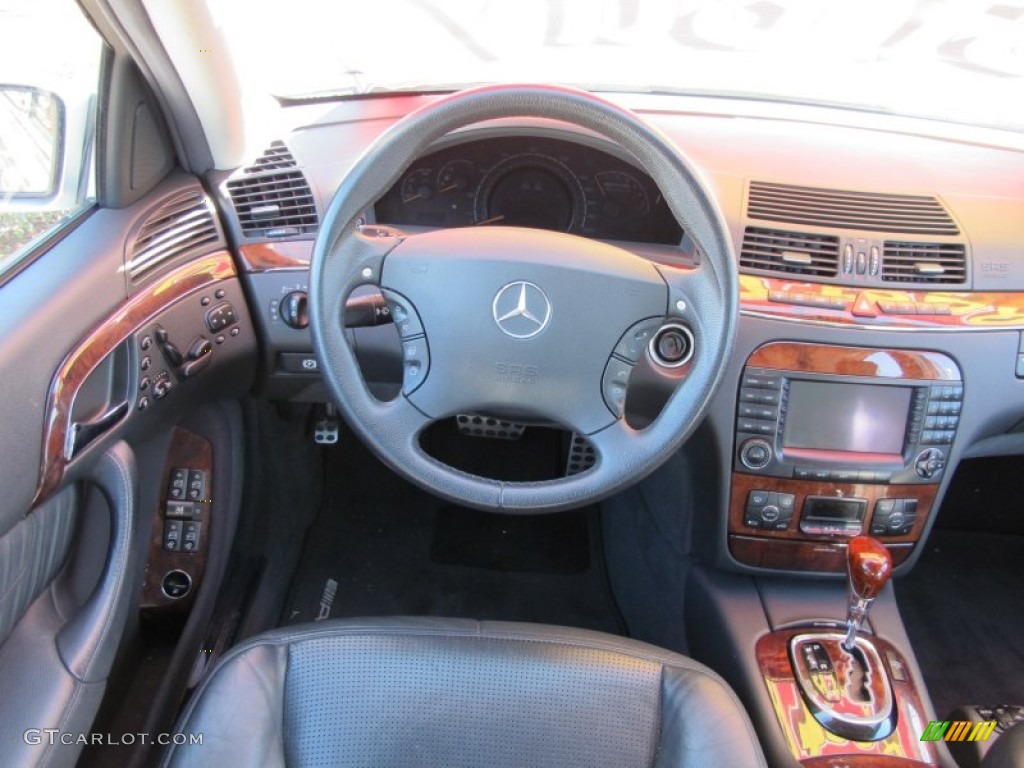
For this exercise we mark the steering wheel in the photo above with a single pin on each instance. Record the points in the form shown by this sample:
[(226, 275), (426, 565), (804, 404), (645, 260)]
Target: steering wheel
[(523, 323)]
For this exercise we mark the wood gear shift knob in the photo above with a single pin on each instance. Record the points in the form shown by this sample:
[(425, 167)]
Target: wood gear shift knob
[(870, 566)]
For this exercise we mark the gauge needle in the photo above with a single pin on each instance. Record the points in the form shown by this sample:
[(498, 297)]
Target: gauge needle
[(410, 199), (490, 220), (600, 187), (449, 188)]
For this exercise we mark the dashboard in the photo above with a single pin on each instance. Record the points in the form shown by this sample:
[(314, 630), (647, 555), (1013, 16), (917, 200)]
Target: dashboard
[(531, 181), (880, 265)]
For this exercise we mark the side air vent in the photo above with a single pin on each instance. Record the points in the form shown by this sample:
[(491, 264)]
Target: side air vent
[(944, 263), (916, 214), (275, 157), (794, 253), (275, 204), (181, 225)]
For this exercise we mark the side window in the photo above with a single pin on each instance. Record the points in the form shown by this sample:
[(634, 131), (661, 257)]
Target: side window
[(50, 58)]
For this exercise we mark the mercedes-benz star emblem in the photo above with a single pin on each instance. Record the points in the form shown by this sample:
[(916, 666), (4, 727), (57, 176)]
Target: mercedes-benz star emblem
[(521, 310)]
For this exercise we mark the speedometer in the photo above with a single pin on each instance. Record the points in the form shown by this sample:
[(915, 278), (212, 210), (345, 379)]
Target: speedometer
[(531, 191)]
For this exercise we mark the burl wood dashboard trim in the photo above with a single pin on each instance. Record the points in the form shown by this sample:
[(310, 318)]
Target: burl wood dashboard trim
[(815, 747), (935, 310), (193, 451), (855, 361), (266, 257), (90, 352)]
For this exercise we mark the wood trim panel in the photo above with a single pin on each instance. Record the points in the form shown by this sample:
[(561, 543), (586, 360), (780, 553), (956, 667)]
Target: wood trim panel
[(855, 361), (816, 747), (961, 310), (187, 449), (287, 254), (819, 556), (90, 352)]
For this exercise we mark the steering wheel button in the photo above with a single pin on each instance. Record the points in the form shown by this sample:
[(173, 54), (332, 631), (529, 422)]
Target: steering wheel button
[(416, 357), (636, 339), (405, 318), (613, 386)]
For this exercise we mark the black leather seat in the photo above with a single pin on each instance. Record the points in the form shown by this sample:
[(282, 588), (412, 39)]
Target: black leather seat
[(445, 692)]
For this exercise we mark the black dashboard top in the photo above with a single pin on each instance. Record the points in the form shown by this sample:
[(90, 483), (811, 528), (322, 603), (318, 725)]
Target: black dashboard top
[(538, 182)]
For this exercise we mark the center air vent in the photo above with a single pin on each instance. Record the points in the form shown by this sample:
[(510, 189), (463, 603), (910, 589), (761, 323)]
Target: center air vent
[(273, 198), (942, 263), (181, 225), (836, 208), (795, 253)]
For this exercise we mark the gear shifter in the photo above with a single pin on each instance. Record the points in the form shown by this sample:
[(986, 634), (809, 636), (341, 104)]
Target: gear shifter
[(869, 565), (843, 679)]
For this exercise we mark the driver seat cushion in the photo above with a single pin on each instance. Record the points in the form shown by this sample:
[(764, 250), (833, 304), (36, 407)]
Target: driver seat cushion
[(456, 692)]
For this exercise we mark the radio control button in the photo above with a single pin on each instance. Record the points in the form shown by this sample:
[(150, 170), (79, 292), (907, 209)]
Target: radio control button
[(756, 454), (803, 473), (822, 475), (750, 411), (844, 476)]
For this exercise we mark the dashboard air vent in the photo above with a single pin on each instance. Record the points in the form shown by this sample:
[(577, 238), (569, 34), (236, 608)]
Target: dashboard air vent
[(924, 262), (874, 212), (276, 204), (180, 225), (794, 253), (275, 157)]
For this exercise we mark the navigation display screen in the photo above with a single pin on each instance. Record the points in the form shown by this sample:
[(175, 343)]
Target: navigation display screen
[(860, 418)]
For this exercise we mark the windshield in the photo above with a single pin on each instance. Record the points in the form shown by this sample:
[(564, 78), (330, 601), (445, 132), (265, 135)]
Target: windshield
[(960, 60)]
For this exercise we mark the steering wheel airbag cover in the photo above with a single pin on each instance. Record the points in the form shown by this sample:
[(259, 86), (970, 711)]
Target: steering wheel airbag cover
[(493, 356)]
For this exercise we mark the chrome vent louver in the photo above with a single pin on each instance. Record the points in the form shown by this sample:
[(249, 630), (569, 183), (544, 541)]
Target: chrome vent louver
[(180, 225), (841, 209), (792, 253), (936, 263), (272, 198)]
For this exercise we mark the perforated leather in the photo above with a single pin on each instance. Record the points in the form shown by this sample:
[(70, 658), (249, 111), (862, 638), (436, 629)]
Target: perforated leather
[(462, 693)]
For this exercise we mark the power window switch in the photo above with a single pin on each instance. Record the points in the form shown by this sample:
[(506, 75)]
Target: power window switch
[(196, 485), (191, 536), (180, 510), (172, 535), (177, 488)]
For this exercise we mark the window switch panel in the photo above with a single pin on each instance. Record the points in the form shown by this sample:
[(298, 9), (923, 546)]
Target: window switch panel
[(191, 533), (177, 488), (196, 485), (181, 510), (172, 535)]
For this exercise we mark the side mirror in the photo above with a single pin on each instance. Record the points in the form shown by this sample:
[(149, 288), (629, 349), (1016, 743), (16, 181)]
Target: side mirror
[(32, 145)]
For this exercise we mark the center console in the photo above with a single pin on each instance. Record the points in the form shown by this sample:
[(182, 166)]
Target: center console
[(834, 442)]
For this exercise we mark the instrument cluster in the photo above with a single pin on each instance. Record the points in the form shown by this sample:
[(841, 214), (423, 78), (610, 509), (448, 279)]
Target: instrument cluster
[(538, 182)]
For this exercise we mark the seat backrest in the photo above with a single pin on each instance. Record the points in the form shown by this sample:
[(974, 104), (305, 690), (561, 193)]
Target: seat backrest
[(456, 692)]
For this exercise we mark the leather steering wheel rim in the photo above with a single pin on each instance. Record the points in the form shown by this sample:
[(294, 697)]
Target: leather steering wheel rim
[(347, 256)]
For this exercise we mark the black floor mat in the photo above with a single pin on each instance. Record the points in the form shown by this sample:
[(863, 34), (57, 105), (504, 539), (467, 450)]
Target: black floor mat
[(381, 547), (962, 604)]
